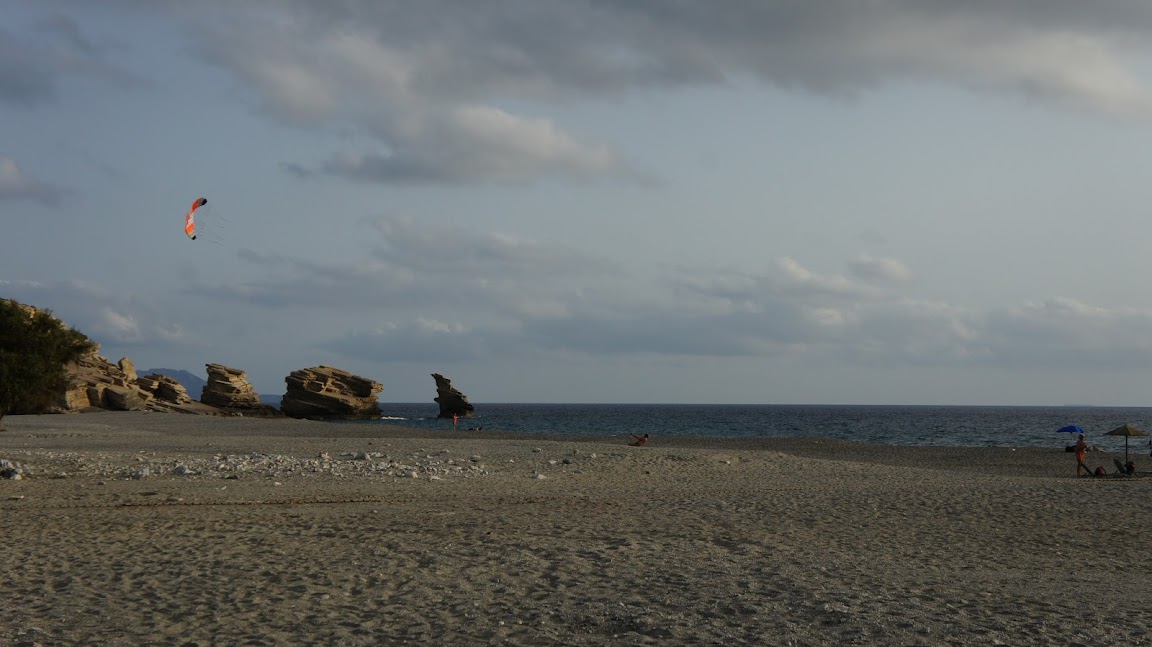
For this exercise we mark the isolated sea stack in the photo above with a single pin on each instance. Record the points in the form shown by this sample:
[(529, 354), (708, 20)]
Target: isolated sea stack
[(326, 393), (451, 401)]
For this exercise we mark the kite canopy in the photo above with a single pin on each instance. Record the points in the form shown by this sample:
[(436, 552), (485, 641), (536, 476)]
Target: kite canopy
[(190, 218)]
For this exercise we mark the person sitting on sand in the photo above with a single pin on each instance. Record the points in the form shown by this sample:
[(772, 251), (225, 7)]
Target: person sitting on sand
[(640, 440), (1082, 456)]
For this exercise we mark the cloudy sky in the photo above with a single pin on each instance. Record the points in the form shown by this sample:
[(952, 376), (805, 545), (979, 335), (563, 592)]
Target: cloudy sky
[(732, 201)]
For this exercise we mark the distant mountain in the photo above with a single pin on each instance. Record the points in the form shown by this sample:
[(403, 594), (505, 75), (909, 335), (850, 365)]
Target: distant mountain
[(191, 382)]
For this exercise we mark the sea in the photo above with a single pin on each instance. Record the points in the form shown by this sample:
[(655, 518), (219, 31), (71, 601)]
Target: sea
[(949, 426)]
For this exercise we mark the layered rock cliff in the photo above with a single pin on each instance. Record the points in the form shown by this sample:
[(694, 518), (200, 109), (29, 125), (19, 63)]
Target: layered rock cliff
[(96, 383), (320, 392), (451, 401), (323, 392)]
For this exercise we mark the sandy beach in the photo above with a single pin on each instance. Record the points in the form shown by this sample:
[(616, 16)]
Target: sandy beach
[(151, 528)]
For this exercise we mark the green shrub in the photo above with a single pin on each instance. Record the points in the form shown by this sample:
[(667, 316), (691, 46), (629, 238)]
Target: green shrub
[(35, 348)]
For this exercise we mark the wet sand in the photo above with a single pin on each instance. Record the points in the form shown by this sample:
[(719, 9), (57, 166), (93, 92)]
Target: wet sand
[(149, 528)]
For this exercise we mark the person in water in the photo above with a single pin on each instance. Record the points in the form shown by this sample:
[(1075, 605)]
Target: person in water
[(640, 440)]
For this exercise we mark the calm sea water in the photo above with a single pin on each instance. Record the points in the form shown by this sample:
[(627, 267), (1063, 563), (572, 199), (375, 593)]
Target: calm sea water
[(889, 425)]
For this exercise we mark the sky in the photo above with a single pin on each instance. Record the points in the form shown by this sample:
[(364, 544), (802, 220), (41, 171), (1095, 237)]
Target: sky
[(652, 201)]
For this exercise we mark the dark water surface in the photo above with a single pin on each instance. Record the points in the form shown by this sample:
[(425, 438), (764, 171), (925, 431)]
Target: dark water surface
[(887, 425)]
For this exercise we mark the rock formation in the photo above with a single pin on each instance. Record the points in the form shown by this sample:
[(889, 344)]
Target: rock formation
[(229, 389), (170, 395), (451, 401), (192, 383), (164, 388), (323, 392), (97, 383)]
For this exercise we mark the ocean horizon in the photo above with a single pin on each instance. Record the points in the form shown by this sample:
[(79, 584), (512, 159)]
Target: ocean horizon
[(935, 425)]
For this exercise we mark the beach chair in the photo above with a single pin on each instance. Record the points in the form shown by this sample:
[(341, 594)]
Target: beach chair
[(1120, 469)]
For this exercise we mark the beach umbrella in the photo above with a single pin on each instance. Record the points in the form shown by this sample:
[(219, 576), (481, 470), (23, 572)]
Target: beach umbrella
[(1070, 429), (1126, 430)]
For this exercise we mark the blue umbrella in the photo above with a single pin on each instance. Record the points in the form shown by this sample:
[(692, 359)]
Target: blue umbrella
[(1070, 429)]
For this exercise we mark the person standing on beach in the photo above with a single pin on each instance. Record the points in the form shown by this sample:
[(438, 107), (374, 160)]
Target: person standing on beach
[(1082, 456)]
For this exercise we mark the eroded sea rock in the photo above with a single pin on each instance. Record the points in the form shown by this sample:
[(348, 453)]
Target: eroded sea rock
[(323, 392), (229, 389), (451, 401)]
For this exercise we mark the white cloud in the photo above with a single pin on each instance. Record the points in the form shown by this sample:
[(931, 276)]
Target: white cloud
[(117, 326), (108, 315), (883, 270), (827, 317), (799, 278)]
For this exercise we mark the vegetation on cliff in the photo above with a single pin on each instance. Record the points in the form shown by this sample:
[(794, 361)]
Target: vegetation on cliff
[(35, 348)]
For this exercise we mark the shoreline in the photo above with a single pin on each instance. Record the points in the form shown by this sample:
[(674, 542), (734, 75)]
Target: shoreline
[(283, 531), (168, 428)]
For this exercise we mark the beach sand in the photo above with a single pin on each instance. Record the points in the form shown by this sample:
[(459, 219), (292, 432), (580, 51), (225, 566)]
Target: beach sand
[(150, 528)]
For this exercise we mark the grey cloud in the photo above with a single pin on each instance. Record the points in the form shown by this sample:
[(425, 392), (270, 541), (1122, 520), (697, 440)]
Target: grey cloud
[(663, 332), (259, 258), (554, 49), (453, 293), (25, 80), (307, 284), (421, 265), (71, 34), (298, 170), (783, 313), (430, 82), (423, 340), (15, 184), (471, 145), (1070, 335), (33, 65), (918, 333), (431, 248), (398, 169)]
